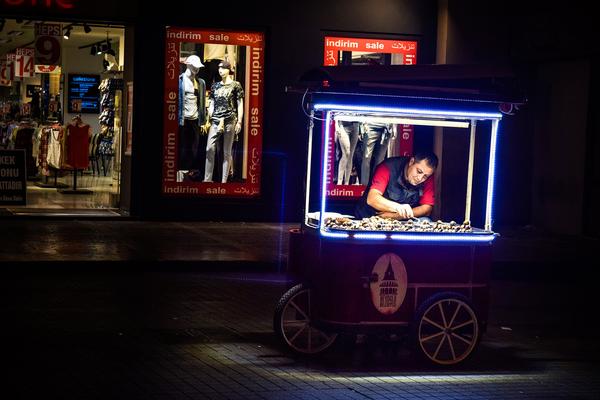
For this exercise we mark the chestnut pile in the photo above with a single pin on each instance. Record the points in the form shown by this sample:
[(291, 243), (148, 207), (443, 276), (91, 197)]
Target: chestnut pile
[(386, 224)]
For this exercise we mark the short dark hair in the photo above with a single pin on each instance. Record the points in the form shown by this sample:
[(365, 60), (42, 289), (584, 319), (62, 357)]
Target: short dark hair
[(429, 156)]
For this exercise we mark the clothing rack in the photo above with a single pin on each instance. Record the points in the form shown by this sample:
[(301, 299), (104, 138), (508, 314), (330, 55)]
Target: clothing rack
[(74, 190), (55, 184)]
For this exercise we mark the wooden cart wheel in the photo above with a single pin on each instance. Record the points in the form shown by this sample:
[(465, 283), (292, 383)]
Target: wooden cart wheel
[(293, 324), (446, 329)]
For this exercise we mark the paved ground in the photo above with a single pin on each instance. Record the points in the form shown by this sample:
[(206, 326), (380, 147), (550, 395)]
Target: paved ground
[(113, 310)]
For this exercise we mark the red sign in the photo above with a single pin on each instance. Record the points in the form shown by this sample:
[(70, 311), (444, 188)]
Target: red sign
[(48, 43), (24, 66), (46, 69), (25, 109), (7, 73), (75, 105), (129, 136), (246, 178), (333, 45), (60, 4)]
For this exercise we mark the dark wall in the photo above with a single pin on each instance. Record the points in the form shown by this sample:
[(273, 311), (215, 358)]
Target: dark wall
[(551, 47), (294, 44)]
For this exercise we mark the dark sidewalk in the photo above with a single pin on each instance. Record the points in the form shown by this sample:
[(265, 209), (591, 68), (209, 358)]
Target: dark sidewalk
[(97, 309)]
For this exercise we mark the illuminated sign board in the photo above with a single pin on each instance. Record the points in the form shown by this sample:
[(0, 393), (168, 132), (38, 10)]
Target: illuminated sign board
[(83, 94), (47, 4)]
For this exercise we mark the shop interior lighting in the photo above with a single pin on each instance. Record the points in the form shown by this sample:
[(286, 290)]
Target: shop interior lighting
[(86, 28), (97, 47), (67, 33)]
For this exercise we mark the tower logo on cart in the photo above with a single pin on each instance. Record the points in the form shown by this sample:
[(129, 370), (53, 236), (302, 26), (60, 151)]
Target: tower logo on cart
[(389, 290)]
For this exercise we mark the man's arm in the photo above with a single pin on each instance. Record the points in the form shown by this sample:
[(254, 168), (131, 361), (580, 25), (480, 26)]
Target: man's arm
[(391, 209), (424, 210), (388, 208)]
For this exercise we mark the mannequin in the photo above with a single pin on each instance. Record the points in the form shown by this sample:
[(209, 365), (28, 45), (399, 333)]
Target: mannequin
[(225, 110), (192, 114), (347, 133), (110, 60), (375, 142), (213, 55)]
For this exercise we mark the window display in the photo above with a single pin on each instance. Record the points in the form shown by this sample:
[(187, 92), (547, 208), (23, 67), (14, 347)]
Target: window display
[(213, 113)]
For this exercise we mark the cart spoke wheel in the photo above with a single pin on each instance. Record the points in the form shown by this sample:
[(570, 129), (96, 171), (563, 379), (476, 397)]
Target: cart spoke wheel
[(447, 329), (293, 323)]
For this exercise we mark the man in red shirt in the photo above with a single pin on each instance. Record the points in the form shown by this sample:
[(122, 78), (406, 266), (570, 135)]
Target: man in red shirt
[(401, 188)]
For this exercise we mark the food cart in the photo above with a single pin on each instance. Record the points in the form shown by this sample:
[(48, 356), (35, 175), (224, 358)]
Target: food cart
[(426, 281)]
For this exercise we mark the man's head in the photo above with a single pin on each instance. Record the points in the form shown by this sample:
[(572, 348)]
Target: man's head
[(420, 167)]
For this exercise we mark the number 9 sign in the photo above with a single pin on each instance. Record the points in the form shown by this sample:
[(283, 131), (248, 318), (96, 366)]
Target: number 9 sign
[(47, 50), (75, 105)]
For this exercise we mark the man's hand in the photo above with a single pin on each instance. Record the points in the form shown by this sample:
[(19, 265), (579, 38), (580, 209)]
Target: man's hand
[(404, 211)]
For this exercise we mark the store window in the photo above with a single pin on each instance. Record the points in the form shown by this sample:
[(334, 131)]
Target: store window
[(358, 146), (61, 94), (213, 113)]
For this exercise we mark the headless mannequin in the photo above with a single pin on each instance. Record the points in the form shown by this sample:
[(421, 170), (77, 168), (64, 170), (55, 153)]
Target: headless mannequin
[(223, 121), (78, 140)]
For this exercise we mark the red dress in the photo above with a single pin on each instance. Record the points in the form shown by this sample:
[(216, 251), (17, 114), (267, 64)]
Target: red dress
[(78, 141)]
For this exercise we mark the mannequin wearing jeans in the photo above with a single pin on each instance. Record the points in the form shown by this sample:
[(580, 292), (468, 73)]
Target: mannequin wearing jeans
[(347, 135), (225, 110), (375, 143)]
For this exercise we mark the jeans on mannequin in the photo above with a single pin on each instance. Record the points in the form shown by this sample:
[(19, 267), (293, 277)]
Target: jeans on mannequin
[(219, 127), (347, 135), (375, 142)]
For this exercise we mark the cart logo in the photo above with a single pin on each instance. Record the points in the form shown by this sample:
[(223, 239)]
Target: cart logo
[(389, 290)]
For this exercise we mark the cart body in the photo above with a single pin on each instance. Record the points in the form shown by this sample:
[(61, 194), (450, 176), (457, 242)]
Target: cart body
[(430, 280)]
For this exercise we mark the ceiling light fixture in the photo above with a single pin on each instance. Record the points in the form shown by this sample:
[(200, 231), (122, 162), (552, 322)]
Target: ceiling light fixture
[(93, 50), (67, 33), (86, 28)]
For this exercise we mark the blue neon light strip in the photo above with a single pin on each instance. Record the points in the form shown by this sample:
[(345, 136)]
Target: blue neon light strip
[(491, 177), (412, 111), (335, 235), (324, 172), (422, 237), (370, 236), (442, 237)]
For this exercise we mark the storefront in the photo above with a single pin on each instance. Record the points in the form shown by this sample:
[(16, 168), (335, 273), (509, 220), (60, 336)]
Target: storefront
[(63, 110), (237, 154)]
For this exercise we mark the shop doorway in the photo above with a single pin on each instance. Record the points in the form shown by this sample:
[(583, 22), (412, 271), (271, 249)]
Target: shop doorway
[(62, 105)]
